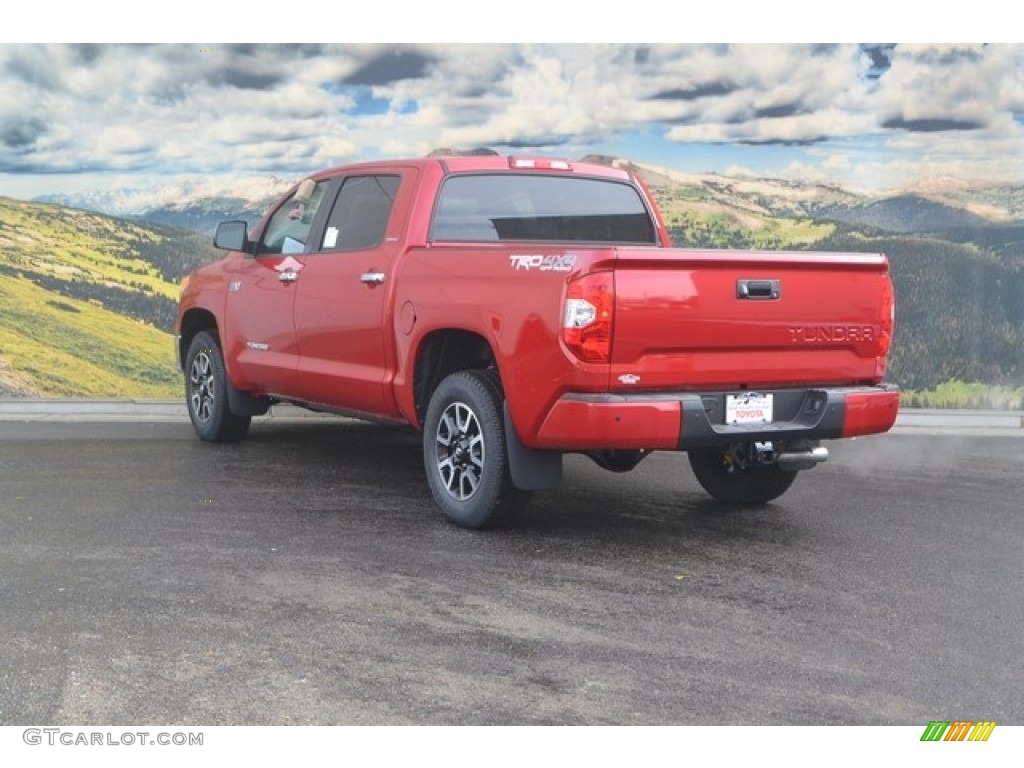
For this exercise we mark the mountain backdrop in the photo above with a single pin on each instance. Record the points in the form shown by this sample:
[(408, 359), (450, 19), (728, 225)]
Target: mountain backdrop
[(87, 299)]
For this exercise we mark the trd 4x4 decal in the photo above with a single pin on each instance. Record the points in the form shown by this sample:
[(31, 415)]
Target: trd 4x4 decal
[(550, 263)]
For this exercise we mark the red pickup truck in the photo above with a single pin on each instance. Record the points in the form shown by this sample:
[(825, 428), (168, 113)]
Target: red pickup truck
[(513, 309)]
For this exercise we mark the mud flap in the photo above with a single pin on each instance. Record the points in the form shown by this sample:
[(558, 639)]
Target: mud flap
[(244, 404), (531, 470)]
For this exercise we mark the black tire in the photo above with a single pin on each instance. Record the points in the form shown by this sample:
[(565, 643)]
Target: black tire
[(206, 393), (741, 486), (464, 451)]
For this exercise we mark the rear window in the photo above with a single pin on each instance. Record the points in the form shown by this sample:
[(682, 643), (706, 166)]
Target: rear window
[(541, 207)]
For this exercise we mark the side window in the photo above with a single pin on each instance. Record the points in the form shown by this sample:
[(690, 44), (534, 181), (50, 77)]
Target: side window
[(288, 229), (360, 215)]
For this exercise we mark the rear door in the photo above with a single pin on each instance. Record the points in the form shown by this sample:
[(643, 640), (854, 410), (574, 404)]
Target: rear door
[(345, 345)]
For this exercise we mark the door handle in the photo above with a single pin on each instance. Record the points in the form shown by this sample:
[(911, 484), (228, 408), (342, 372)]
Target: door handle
[(288, 276), (372, 278), (758, 289)]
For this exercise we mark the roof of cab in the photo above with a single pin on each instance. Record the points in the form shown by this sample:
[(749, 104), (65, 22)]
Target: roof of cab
[(470, 163)]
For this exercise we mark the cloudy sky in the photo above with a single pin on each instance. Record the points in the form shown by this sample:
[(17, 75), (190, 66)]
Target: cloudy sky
[(80, 116)]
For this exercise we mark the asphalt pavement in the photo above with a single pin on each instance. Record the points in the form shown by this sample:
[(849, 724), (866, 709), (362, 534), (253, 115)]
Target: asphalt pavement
[(304, 577)]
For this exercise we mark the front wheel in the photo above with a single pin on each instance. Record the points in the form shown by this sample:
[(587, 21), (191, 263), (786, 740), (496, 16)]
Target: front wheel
[(730, 480), (206, 390), (464, 451)]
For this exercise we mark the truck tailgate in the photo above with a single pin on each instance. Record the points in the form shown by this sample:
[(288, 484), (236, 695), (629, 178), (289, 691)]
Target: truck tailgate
[(690, 319)]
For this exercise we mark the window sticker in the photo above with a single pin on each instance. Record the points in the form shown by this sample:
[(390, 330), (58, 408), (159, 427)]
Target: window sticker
[(331, 237)]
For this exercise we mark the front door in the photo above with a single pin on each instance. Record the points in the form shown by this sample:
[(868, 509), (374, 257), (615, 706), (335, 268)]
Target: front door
[(262, 352)]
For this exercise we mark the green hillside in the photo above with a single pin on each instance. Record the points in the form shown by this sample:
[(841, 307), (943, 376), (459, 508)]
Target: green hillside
[(87, 302)]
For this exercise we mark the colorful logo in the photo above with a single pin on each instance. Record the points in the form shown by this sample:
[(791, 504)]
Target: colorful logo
[(958, 730)]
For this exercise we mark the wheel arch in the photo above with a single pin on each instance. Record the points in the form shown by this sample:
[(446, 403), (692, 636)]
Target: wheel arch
[(443, 352), (194, 322)]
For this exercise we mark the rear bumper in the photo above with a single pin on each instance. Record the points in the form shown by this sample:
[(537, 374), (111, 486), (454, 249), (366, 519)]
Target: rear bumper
[(685, 420)]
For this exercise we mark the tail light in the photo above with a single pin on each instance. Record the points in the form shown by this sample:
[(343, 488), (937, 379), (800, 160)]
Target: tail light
[(587, 317)]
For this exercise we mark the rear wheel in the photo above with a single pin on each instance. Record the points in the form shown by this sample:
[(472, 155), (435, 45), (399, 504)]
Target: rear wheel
[(729, 479), (464, 451), (206, 391)]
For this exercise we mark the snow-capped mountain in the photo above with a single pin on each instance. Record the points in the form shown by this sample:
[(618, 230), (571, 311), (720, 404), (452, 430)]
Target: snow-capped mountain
[(196, 204)]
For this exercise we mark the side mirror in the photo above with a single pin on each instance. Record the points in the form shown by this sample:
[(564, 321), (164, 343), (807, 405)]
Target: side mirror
[(232, 236)]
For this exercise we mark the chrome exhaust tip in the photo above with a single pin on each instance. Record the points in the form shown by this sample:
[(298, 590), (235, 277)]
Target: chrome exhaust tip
[(795, 460)]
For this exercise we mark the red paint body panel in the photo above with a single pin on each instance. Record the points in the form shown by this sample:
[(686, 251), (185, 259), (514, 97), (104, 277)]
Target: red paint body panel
[(259, 311), (870, 413), (579, 425)]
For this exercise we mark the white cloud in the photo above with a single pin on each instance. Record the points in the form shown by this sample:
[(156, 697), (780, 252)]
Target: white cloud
[(944, 83), (166, 109)]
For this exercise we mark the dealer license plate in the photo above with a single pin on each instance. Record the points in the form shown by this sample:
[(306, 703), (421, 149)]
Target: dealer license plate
[(748, 408)]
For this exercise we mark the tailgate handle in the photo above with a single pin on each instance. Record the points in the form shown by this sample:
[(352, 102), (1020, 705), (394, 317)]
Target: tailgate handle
[(758, 289)]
